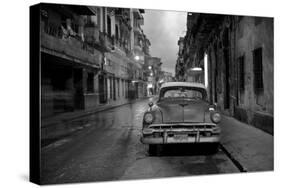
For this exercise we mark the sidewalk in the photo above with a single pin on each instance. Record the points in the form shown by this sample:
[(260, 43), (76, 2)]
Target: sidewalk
[(252, 147), (64, 124)]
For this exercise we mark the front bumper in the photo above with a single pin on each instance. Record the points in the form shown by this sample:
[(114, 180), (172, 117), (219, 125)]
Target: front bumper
[(181, 133)]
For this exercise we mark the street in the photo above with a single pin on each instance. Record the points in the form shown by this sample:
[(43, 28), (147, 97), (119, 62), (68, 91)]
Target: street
[(99, 68), (109, 148)]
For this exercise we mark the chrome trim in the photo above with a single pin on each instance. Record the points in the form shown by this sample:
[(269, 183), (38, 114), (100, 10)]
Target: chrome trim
[(192, 130), (183, 124), (193, 126), (171, 140)]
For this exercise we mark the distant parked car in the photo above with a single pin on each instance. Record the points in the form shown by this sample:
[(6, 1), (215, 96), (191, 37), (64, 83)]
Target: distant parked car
[(181, 114)]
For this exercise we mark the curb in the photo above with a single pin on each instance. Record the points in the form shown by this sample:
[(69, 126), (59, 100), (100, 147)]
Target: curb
[(234, 161), (56, 137), (90, 112)]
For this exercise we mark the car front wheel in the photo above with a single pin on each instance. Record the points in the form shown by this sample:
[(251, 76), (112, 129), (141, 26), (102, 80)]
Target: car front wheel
[(214, 147), (153, 149)]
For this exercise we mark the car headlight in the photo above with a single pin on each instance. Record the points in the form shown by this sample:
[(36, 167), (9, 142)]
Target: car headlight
[(215, 117), (148, 118)]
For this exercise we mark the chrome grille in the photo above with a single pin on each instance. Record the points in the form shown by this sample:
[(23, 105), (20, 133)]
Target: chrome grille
[(189, 127)]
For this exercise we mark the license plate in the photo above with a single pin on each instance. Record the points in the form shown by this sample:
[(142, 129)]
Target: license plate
[(180, 137)]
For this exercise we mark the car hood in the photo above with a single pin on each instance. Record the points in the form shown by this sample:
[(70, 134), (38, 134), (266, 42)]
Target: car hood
[(183, 110)]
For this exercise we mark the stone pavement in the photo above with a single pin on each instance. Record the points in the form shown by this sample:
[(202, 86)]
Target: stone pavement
[(52, 128), (250, 146)]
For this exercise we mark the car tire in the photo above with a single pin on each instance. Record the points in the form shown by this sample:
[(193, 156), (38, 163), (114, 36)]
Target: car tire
[(214, 147), (152, 150)]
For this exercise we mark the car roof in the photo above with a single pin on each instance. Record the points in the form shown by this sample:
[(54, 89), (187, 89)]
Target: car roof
[(183, 84)]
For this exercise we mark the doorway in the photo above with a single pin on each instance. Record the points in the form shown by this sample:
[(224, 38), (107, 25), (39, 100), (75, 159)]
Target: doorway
[(226, 65), (102, 89), (78, 88)]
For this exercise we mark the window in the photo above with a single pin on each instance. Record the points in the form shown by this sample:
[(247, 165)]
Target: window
[(185, 94), (257, 63), (108, 88), (118, 87), (114, 87), (116, 32), (241, 67), (111, 88), (108, 26), (127, 89), (182, 92), (90, 82), (123, 82)]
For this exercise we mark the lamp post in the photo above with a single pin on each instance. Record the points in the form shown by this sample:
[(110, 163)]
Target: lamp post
[(137, 58)]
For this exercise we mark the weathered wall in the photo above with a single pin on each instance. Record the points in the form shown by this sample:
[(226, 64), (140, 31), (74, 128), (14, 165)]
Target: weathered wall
[(253, 33), (244, 36), (249, 37), (225, 38)]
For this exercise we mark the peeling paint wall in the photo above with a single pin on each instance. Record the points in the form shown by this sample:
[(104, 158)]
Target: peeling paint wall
[(225, 40), (252, 35), (244, 36)]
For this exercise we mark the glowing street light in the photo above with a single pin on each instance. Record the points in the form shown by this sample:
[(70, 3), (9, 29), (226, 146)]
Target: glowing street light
[(198, 69), (149, 67), (195, 71), (151, 74), (137, 57)]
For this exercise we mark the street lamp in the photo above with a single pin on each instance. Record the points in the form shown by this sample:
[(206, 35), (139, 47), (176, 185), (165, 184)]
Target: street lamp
[(161, 81), (151, 74), (105, 60), (137, 57), (149, 67), (195, 70)]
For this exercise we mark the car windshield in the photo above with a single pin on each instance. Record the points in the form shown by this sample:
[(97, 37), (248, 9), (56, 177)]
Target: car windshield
[(181, 92)]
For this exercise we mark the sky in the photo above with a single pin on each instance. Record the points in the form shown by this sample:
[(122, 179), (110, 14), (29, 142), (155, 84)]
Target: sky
[(163, 29)]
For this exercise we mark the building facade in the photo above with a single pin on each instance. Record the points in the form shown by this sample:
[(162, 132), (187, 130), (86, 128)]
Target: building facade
[(165, 76), (152, 69), (237, 54), (179, 68), (88, 57)]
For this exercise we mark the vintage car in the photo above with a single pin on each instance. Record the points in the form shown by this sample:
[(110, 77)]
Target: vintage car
[(181, 114)]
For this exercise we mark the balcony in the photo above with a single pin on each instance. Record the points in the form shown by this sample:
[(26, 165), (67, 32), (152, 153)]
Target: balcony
[(99, 40), (109, 42), (92, 34), (138, 48), (137, 29), (55, 42), (138, 15), (122, 47)]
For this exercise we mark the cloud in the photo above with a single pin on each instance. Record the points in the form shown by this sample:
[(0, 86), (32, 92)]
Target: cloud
[(163, 29)]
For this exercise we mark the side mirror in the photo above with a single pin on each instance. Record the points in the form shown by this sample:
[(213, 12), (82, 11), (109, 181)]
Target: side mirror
[(215, 105), (150, 104)]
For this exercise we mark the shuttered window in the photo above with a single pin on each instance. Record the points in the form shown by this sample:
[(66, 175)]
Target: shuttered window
[(241, 65), (258, 70), (90, 83)]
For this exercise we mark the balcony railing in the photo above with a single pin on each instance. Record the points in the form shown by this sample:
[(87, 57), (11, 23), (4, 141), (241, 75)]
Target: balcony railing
[(109, 40), (57, 37), (123, 46), (53, 29), (92, 34), (137, 29), (67, 44)]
